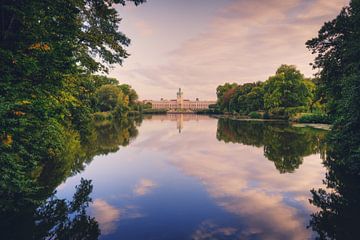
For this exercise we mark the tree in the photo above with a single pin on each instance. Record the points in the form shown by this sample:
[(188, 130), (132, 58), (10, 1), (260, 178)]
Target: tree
[(285, 90), (338, 49), (46, 49), (248, 97), (130, 92), (223, 93), (108, 97)]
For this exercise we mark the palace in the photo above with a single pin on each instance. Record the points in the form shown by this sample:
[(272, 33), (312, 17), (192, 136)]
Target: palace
[(179, 103)]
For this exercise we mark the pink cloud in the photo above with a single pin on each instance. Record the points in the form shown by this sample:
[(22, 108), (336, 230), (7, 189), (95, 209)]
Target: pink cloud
[(246, 41)]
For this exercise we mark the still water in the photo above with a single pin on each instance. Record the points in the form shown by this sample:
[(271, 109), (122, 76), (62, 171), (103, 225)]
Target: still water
[(197, 177)]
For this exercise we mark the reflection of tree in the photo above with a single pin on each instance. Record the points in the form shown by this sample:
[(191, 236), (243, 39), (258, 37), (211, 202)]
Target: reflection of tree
[(284, 145), (52, 219), (104, 137), (107, 136), (23, 189), (340, 205)]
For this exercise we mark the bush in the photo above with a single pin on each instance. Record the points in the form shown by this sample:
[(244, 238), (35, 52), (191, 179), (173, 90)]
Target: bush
[(314, 118), (255, 115), (291, 111), (266, 115)]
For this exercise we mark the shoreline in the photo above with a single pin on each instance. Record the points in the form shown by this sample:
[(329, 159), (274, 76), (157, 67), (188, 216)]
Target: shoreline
[(321, 126)]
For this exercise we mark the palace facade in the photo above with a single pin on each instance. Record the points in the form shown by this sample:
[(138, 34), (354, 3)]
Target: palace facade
[(179, 103)]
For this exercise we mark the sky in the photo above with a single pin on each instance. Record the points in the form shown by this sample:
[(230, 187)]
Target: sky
[(197, 45)]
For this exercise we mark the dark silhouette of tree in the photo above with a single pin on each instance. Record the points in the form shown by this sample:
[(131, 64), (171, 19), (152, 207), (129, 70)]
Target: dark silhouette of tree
[(53, 219), (338, 49)]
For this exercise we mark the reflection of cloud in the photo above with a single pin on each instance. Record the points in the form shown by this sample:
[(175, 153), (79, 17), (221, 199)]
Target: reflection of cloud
[(143, 187), (209, 230), (106, 215), (242, 181)]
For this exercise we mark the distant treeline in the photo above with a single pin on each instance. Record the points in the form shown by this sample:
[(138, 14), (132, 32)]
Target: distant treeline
[(283, 95)]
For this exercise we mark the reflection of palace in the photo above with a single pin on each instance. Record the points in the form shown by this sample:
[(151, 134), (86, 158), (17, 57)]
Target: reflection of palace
[(179, 118), (180, 103)]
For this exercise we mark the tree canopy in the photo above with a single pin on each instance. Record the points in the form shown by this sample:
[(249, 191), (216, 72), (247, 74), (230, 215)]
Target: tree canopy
[(286, 90)]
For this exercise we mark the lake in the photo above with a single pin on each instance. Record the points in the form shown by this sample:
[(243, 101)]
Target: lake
[(198, 177)]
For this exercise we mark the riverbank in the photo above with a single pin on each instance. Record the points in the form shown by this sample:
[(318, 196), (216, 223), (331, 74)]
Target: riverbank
[(321, 126)]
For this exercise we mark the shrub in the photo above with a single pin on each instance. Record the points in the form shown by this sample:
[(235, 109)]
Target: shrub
[(266, 115), (314, 118), (294, 110), (255, 115)]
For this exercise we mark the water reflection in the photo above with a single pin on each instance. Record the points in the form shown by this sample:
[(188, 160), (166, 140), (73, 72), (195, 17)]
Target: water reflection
[(167, 185), (43, 215), (53, 219), (339, 200), (193, 185), (286, 146), (178, 118)]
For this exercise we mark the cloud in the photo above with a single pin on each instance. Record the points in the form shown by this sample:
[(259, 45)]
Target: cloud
[(144, 186), (106, 215), (246, 41)]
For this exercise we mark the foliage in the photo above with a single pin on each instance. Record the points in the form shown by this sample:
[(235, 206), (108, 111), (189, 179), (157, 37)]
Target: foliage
[(286, 89), (282, 95), (255, 115), (48, 52), (102, 116), (314, 118), (338, 49), (108, 97), (223, 95), (127, 90)]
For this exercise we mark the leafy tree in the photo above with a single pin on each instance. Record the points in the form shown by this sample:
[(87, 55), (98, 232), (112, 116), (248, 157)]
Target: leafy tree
[(130, 92), (247, 98), (285, 90), (47, 50), (338, 49), (108, 97), (224, 93)]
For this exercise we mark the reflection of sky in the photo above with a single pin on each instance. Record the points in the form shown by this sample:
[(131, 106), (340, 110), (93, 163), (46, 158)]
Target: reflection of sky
[(190, 185)]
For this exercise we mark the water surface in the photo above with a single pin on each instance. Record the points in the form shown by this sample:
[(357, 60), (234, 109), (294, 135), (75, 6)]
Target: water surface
[(197, 177)]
